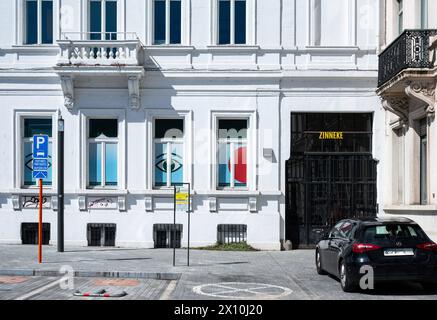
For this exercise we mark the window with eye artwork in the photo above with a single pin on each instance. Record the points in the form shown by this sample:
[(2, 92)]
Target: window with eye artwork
[(33, 126), (232, 153), (169, 152)]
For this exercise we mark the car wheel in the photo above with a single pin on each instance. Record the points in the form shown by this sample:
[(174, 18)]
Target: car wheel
[(345, 280), (429, 287), (319, 263)]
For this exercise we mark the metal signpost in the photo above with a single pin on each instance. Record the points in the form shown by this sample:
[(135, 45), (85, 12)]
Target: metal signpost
[(60, 185), (40, 172), (182, 203)]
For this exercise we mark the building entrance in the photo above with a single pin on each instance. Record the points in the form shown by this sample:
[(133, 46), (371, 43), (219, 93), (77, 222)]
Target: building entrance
[(330, 175)]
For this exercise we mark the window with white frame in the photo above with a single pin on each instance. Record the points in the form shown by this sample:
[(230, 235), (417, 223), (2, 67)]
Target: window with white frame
[(232, 153), (232, 21), (103, 19), (167, 25), (33, 126), (398, 166), (423, 160), (168, 152), (102, 153), (38, 19), (330, 22), (400, 16)]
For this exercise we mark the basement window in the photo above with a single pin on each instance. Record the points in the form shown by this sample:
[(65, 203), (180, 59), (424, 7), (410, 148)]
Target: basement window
[(29, 233), (231, 233), (163, 235), (101, 234)]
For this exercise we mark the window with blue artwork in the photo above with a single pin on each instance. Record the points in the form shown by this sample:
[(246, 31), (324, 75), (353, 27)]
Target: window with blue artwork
[(31, 127), (167, 21), (38, 21), (103, 153), (169, 152), (231, 22), (232, 153), (103, 19)]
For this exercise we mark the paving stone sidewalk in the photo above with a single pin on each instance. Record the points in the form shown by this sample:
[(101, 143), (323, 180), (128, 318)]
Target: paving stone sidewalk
[(211, 274)]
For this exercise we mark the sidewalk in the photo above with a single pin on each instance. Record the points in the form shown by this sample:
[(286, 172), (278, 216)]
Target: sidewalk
[(211, 274), (22, 259)]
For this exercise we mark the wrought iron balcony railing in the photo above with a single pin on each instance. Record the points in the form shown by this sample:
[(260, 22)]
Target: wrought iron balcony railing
[(410, 50), (96, 49)]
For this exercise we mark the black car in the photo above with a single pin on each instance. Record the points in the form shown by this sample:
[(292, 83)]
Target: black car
[(397, 250)]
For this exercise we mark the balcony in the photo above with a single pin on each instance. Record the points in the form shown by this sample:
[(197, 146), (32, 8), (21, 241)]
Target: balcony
[(412, 49), (408, 74), (115, 55), (88, 49)]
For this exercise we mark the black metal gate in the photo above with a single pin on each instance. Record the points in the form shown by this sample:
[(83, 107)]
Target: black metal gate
[(324, 188)]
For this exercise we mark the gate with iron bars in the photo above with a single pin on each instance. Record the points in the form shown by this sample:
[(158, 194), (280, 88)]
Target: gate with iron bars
[(323, 189), (327, 181)]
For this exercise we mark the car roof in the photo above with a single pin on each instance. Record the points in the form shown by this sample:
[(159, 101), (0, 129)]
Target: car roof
[(383, 220)]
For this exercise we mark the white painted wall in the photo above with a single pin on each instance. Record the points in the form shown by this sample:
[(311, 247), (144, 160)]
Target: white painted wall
[(280, 72)]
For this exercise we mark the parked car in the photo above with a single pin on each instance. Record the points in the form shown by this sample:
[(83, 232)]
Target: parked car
[(397, 250)]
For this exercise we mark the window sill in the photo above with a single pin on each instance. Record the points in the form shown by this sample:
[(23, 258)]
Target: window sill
[(172, 47), (31, 191), (231, 193), (414, 209), (101, 191), (157, 192), (35, 47), (233, 47)]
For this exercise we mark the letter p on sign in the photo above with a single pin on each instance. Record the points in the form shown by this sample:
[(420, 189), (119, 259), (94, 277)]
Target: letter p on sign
[(40, 146)]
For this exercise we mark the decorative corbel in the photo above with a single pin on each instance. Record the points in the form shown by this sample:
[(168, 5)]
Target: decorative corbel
[(423, 91), (397, 104), (67, 85), (134, 91)]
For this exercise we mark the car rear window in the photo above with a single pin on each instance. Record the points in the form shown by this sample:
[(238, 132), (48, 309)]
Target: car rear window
[(390, 231)]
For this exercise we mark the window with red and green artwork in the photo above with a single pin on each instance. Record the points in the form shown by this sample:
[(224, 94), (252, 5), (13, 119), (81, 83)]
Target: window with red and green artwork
[(232, 153)]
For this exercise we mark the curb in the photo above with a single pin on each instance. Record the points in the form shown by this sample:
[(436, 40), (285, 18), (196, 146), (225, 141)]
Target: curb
[(94, 274)]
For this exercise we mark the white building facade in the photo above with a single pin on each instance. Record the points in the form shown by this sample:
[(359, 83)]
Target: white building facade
[(407, 88), (220, 94)]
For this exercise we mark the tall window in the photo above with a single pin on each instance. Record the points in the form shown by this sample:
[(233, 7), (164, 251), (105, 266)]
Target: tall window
[(232, 21), (232, 151), (330, 23), (103, 153), (423, 161), (400, 16), (169, 152), (103, 19), (424, 14), (398, 165), (31, 127), (39, 21), (167, 21)]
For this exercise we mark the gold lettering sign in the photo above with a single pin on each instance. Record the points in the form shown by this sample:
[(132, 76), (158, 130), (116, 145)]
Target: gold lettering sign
[(331, 135)]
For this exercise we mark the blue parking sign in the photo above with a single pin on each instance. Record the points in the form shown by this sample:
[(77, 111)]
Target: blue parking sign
[(40, 146), (40, 156)]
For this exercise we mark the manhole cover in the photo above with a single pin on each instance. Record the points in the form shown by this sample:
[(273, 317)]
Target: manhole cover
[(241, 290), (116, 282), (12, 279)]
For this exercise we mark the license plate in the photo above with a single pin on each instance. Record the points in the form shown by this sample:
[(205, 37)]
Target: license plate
[(398, 252)]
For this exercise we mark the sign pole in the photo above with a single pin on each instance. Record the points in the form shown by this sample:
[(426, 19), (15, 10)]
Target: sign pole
[(60, 185), (40, 155), (174, 227), (189, 213), (40, 222)]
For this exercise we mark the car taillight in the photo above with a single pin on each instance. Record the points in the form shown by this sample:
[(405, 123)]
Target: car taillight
[(431, 246), (364, 247)]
